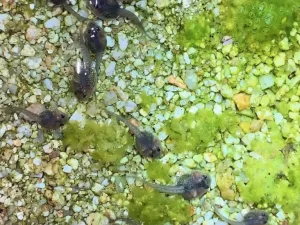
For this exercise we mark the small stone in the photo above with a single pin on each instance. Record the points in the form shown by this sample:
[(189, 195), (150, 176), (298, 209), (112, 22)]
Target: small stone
[(110, 41), (110, 70), (130, 106), (284, 44), (20, 215), (67, 169), (27, 51), (52, 23), (242, 101), (123, 41), (2, 130), (73, 163), (189, 163), (266, 81), (37, 161), (186, 58), (191, 79), (209, 157), (178, 112), (33, 34), (279, 60), (124, 160), (68, 21), (110, 98), (256, 125), (198, 158), (48, 84), (4, 18), (162, 3), (297, 57), (76, 208), (33, 62)]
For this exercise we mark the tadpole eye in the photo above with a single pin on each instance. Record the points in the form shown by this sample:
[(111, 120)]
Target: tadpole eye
[(98, 28), (62, 116)]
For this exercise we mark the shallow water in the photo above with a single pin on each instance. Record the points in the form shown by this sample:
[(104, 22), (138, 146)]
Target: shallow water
[(219, 94)]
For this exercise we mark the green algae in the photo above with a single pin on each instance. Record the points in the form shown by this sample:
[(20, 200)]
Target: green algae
[(147, 101), (271, 180), (253, 22), (197, 30), (152, 207), (158, 171), (109, 141), (193, 132)]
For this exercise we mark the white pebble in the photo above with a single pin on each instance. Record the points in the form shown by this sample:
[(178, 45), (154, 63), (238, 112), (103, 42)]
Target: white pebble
[(76, 208), (40, 185), (27, 51), (3, 20), (179, 111), (186, 58), (47, 148), (110, 41), (67, 169), (52, 23), (130, 106), (37, 161), (77, 116), (20, 215), (48, 84), (217, 109), (33, 62), (110, 70), (123, 41), (2, 130)]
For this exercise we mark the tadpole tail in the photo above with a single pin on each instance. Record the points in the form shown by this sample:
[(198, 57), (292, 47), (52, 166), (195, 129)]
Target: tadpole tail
[(231, 222), (74, 13), (98, 60), (131, 127), (31, 115), (134, 19), (161, 188)]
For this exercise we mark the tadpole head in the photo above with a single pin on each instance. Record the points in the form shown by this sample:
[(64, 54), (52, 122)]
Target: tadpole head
[(256, 217), (95, 38), (61, 117), (148, 145), (202, 179)]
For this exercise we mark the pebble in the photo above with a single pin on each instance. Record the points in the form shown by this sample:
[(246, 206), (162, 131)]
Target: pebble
[(191, 79), (110, 41), (40, 185), (33, 62), (3, 20), (47, 148), (33, 34), (209, 157), (20, 215), (162, 3), (178, 112), (242, 100), (279, 60), (189, 163), (110, 98), (2, 130), (48, 84), (52, 23), (123, 41), (266, 81), (129, 106), (67, 169), (68, 21), (77, 116), (27, 51), (25, 130), (110, 70), (73, 163), (76, 208), (186, 58)]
